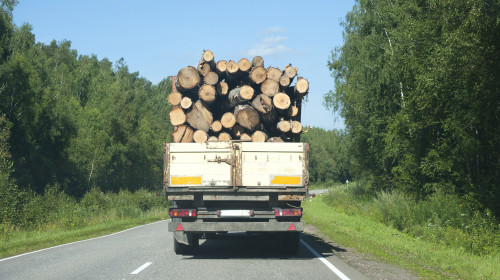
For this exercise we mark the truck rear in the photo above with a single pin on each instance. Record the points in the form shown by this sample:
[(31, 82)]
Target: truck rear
[(231, 186)]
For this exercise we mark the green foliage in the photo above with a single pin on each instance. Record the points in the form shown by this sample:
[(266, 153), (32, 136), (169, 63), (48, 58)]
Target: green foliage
[(329, 158), (417, 84)]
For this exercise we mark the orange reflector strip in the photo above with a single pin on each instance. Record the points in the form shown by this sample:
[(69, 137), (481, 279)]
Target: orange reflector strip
[(285, 180), (185, 180), (179, 228), (291, 227)]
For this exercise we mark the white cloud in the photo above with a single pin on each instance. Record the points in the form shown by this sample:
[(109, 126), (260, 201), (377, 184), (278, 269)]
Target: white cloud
[(270, 44), (274, 29)]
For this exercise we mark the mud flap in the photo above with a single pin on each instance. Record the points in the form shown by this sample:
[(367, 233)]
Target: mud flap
[(181, 237)]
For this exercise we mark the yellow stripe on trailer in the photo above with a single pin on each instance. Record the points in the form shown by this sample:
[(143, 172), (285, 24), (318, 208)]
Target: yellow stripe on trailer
[(285, 180), (185, 180)]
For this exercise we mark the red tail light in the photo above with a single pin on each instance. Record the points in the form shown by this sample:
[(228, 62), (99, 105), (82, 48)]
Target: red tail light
[(288, 212), (182, 213)]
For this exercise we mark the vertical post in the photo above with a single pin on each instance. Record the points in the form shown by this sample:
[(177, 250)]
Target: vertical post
[(174, 89)]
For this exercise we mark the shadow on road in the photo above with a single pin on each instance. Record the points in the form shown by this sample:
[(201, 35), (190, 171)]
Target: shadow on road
[(249, 246)]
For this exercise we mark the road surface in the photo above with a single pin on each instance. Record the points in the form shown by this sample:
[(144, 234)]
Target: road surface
[(146, 252)]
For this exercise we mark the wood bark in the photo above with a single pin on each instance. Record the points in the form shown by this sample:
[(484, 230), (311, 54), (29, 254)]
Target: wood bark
[(174, 98), (203, 68), (182, 134), (207, 93), (281, 101), (200, 117), (293, 111), (257, 61), (200, 136), (274, 74), (211, 78), (187, 79), (269, 87), (259, 136), (247, 116), (222, 88), (177, 116), (240, 95), (262, 103), (258, 75), (228, 120), (186, 103)]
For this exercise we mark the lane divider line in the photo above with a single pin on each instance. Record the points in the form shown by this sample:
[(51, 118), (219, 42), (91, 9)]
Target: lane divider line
[(141, 268), (323, 260), (62, 245)]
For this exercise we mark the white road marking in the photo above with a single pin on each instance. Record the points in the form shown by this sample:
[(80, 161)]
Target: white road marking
[(327, 263), (141, 268), (29, 253)]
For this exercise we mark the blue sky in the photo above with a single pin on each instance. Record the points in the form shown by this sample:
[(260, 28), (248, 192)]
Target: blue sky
[(157, 38)]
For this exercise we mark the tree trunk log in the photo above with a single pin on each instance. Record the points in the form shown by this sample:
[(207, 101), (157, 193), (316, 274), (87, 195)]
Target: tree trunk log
[(213, 139), (174, 98), (203, 68), (281, 101), (257, 61), (284, 126), (275, 140), (274, 74), (290, 71), (187, 79), (301, 87), (186, 103), (259, 136), (293, 111), (244, 65), (216, 126), (200, 117), (269, 87), (228, 120), (211, 78), (262, 103), (258, 75), (200, 136), (221, 68), (296, 127), (182, 134), (240, 95), (222, 88), (207, 93), (232, 68), (246, 137), (247, 116), (224, 136), (207, 56), (177, 116), (284, 81)]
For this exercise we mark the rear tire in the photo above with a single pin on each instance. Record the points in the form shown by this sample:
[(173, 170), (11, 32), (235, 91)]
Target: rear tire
[(183, 249), (289, 243)]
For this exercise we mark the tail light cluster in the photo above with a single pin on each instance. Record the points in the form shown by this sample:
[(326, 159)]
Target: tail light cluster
[(182, 213), (296, 212)]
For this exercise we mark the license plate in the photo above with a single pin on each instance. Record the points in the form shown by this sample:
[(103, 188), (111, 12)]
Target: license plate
[(235, 213)]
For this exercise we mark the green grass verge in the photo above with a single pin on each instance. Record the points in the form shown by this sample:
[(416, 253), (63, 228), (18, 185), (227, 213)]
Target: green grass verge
[(428, 260), (32, 240)]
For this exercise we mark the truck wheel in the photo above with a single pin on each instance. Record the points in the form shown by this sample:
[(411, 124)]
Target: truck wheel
[(289, 243), (183, 249)]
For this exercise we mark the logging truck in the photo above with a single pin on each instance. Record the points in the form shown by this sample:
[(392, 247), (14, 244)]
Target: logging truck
[(236, 163), (231, 186)]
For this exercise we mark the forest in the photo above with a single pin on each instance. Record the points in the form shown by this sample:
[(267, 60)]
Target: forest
[(418, 84)]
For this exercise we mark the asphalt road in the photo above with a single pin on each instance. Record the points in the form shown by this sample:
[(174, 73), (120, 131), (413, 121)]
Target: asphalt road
[(146, 252)]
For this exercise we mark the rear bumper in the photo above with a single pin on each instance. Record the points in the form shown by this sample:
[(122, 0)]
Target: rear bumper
[(203, 227)]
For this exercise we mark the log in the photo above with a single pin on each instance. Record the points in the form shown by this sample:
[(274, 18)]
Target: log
[(258, 75), (211, 78), (290, 71), (257, 61), (240, 95), (301, 87), (246, 137), (247, 116), (177, 116), (228, 120), (238, 130), (186, 103), (269, 87), (207, 93), (262, 103), (222, 88), (213, 139), (207, 56), (284, 81), (275, 140), (224, 136), (200, 136), (259, 136), (200, 117), (203, 68), (187, 79), (232, 68), (284, 126), (274, 74), (174, 98), (244, 65), (281, 101), (221, 67), (216, 126), (182, 134), (293, 111), (296, 127)]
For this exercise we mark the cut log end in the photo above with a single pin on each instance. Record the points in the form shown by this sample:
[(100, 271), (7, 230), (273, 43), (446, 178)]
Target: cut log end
[(213, 139), (220, 67), (284, 81), (222, 88), (228, 120), (269, 87), (216, 126), (257, 61), (281, 101), (224, 136), (274, 74), (207, 93), (247, 116), (182, 134), (290, 71), (244, 65), (284, 126), (259, 136), (211, 78), (275, 140), (174, 98), (186, 103), (177, 116), (200, 136), (232, 67), (296, 127), (245, 137), (258, 75), (301, 87), (207, 56), (187, 78), (200, 117)]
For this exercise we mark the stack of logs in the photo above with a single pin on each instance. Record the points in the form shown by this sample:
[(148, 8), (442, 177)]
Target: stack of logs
[(229, 100)]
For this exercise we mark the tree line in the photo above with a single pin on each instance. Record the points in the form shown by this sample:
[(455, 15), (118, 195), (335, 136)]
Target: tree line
[(418, 85)]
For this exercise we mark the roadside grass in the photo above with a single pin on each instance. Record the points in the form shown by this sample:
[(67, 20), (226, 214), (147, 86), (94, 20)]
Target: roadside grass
[(430, 260), (54, 218)]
